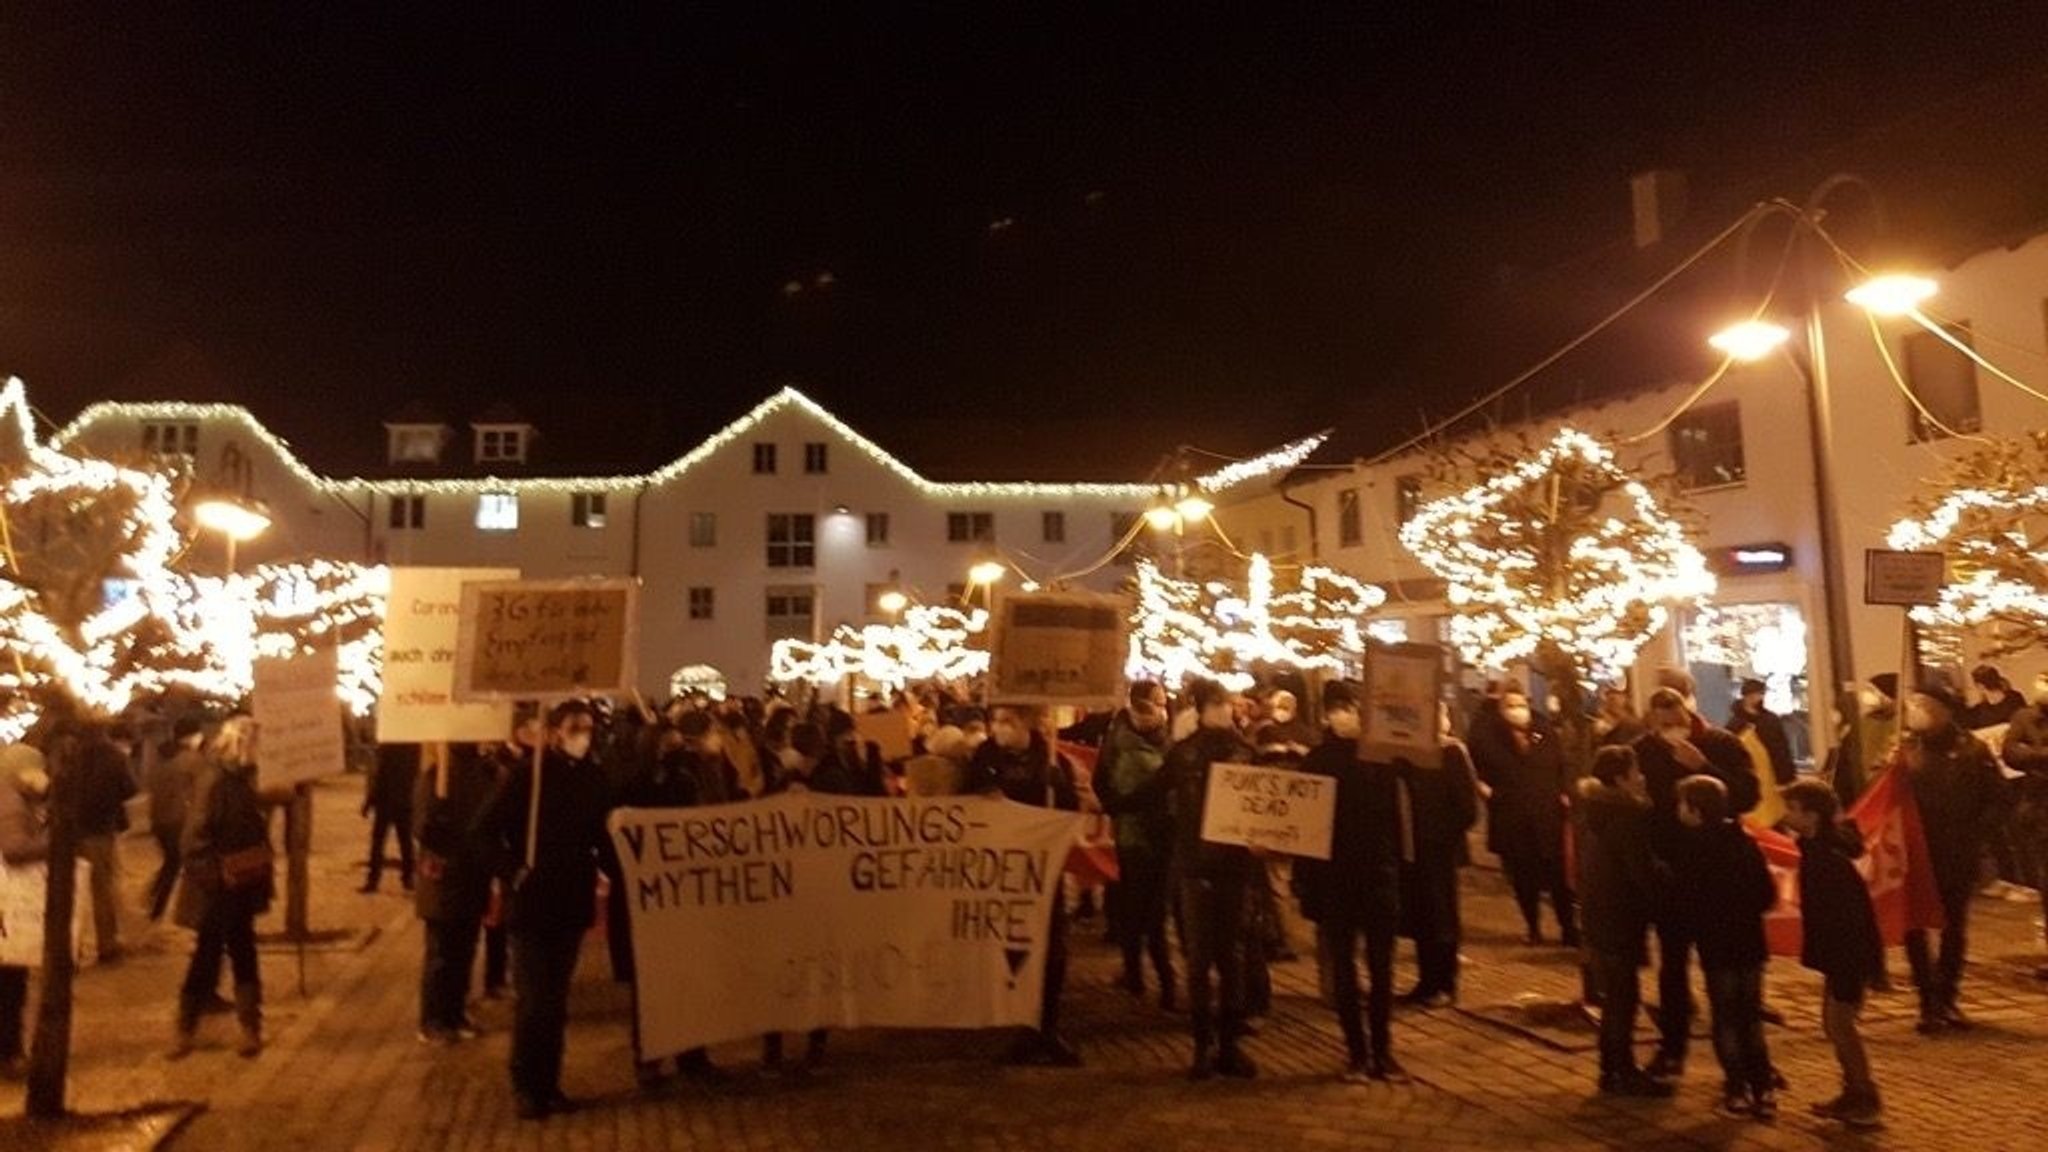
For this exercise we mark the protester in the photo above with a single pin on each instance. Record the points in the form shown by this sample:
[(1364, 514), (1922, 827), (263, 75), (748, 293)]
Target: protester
[(550, 868), (387, 800), (24, 788), (807, 754), (1995, 705), (1954, 780), (454, 885), (1130, 782), (1720, 873), (171, 781), (941, 769), (2026, 752), (98, 792), (1446, 805), (1521, 764), (230, 879), (1996, 700), (1617, 722), (1620, 882), (527, 734), (1841, 939), (1355, 894), (1018, 762), (1750, 713), (1214, 879), (1680, 744)]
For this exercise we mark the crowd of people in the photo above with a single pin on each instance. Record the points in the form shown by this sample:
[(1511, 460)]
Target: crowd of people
[(1637, 836)]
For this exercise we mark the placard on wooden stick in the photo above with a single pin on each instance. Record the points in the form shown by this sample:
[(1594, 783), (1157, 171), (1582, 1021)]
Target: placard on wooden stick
[(1403, 685), (1054, 648), (546, 639)]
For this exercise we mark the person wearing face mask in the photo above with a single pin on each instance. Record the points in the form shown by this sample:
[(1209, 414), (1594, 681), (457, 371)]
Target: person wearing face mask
[(1446, 805), (1955, 782), (552, 893), (2026, 752), (1131, 785), (1214, 886), (1521, 764), (1355, 894), (1681, 744)]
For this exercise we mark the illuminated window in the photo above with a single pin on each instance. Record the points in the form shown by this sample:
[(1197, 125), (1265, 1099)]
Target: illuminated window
[(170, 438), (878, 529), (497, 511), (792, 540), (1053, 527), (586, 510), (703, 529), (416, 443), (814, 459), (1350, 525), (764, 459), (408, 512), (1945, 382), (1706, 447), (702, 601), (970, 527)]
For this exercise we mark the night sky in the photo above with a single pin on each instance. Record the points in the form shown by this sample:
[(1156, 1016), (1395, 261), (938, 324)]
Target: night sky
[(633, 222)]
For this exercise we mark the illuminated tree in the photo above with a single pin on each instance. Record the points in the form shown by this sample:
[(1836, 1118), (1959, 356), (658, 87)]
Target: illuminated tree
[(1989, 512), (1557, 558), (930, 643), (1184, 628)]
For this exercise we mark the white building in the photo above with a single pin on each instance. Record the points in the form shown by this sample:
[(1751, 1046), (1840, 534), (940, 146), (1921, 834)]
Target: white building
[(786, 523)]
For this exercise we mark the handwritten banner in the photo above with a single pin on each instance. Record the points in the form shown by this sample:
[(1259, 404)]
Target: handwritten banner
[(806, 911), (536, 640), (422, 625), (1059, 648), (299, 717), (1276, 808)]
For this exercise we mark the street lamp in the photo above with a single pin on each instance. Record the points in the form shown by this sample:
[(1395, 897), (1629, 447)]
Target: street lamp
[(892, 601), (235, 518)]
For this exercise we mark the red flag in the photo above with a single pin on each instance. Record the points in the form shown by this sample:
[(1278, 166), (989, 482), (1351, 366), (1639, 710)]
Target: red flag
[(1895, 866), (1093, 860)]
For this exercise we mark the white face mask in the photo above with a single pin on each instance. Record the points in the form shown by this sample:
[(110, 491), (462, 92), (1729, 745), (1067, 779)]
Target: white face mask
[(1282, 715), (576, 747), (1516, 714), (791, 758), (1344, 723), (1920, 718)]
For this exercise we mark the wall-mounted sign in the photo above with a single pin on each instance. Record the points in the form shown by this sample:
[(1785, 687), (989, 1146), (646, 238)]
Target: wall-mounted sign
[(1750, 559), (1906, 579)]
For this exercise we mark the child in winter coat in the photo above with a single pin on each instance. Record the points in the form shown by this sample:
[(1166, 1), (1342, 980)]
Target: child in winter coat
[(1619, 883), (1720, 877), (1842, 941)]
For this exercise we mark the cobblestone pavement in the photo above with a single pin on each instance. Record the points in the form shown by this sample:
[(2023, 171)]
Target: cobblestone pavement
[(344, 1071)]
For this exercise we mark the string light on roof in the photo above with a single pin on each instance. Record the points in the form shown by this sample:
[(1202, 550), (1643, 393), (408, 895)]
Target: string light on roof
[(1528, 573), (1278, 460)]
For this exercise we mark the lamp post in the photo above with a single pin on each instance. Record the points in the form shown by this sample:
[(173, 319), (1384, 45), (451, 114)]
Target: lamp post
[(231, 509), (1757, 338)]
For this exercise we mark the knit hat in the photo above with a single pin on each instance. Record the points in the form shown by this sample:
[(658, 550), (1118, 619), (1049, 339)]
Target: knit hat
[(1338, 694)]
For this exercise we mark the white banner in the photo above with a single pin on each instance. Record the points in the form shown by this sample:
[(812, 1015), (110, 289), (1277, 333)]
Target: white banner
[(299, 718), (23, 888), (422, 619), (1276, 808), (806, 911)]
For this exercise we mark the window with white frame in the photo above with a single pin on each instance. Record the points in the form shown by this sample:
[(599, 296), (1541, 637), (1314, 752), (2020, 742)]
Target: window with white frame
[(497, 511), (408, 512), (587, 509), (792, 540), (970, 527), (814, 458), (790, 613), (416, 443), (500, 443), (170, 437), (1706, 446), (703, 529), (1944, 381), (764, 459)]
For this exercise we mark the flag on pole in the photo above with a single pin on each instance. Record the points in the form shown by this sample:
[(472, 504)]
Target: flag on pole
[(1895, 865)]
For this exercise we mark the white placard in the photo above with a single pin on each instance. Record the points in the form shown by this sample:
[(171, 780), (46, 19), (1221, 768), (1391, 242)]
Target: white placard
[(806, 911), (299, 719), (1280, 809), (422, 621), (23, 888)]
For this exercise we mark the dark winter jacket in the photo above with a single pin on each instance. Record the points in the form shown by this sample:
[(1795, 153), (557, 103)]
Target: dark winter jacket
[(1841, 935), (1033, 775), (171, 783), (2026, 749), (1187, 781), (454, 877), (1620, 881), (1370, 838), (1130, 781), (1526, 771), (559, 892), (1445, 800), (102, 787), (389, 789), (1770, 732), (1727, 761), (1985, 714), (1723, 887), (226, 817), (1957, 785)]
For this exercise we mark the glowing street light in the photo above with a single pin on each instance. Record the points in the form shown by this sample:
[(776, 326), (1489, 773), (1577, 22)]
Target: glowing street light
[(986, 572), (892, 601), (1192, 509), (1161, 517), (235, 518), (1750, 340), (1895, 294)]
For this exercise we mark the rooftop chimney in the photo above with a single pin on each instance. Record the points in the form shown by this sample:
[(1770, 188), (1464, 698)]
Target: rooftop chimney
[(1658, 200)]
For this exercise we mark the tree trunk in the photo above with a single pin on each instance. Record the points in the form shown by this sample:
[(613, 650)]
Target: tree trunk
[(49, 1058)]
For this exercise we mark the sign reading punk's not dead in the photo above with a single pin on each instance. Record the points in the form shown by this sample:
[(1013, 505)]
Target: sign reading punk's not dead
[(1279, 809), (533, 640), (806, 911)]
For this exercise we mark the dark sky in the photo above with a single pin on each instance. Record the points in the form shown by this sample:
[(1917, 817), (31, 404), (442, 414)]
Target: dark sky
[(1041, 214)]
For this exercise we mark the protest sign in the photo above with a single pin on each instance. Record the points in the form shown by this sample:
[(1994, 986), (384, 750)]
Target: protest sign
[(1403, 683), (299, 717), (546, 639), (888, 731), (1277, 808), (418, 703), (23, 888), (806, 911), (1059, 648)]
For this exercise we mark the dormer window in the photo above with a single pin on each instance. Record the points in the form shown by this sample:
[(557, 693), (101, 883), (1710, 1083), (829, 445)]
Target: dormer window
[(501, 443), (416, 443)]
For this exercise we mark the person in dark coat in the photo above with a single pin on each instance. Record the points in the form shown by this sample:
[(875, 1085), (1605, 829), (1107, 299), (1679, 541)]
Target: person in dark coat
[(2026, 752), (1840, 941), (1996, 700), (1749, 712), (98, 794), (1131, 785), (1356, 893), (1018, 762), (1620, 884), (1213, 887), (227, 822), (387, 800), (1956, 783), (171, 781), (1720, 873), (1446, 805), (552, 894), (1521, 765), (1681, 744), (453, 885)]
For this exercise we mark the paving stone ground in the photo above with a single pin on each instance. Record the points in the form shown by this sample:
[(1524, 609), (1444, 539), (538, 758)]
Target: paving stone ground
[(344, 1072)]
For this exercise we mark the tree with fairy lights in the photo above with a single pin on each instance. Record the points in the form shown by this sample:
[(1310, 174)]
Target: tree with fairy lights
[(1555, 557), (1989, 512)]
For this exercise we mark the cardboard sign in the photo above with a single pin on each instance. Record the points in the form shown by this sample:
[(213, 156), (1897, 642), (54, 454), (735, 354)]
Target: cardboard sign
[(887, 731), (421, 629), (1403, 685), (299, 719), (1906, 579), (23, 889), (806, 911), (546, 639), (1059, 648), (1275, 808)]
